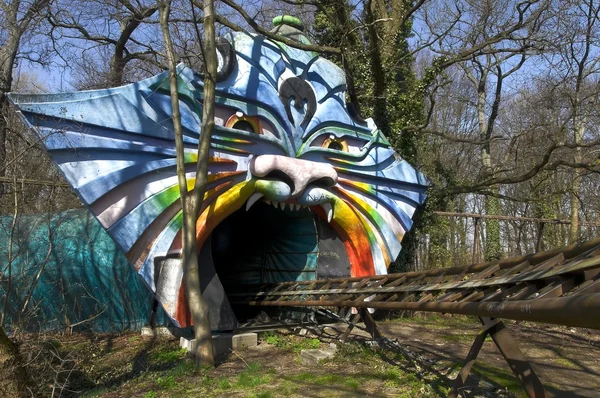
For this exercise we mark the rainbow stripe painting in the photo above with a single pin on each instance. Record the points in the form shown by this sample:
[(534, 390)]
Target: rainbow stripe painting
[(300, 187)]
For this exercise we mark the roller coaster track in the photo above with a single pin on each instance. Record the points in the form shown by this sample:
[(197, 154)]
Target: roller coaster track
[(559, 286)]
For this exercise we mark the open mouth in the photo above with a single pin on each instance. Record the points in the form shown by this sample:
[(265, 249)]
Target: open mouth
[(268, 242), (288, 220)]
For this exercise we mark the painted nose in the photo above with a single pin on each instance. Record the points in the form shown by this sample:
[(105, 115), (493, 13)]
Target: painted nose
[(300, 173)]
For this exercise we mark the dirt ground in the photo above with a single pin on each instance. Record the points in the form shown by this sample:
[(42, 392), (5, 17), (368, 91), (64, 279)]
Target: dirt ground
[(567, 360), (420, 360)]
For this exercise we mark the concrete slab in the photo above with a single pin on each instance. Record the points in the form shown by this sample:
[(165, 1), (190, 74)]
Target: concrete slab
[(225, 342), (312, 357), (244, 340)]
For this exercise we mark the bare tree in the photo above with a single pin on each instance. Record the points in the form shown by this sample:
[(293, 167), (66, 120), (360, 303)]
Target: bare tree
[(192, 201), (577, 62), (87, 33), (17, 20)]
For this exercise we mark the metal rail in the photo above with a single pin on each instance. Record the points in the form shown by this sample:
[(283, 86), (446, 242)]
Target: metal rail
[(559, 286)]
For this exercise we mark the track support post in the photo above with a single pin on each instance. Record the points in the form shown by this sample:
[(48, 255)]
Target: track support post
[(369, 322), (510, 351)]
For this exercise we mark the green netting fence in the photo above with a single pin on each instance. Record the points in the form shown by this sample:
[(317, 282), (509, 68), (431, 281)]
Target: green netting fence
[(63, 272)]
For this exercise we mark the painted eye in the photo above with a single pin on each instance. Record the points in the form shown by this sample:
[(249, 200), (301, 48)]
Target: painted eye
[(239, 121), (337, 144)]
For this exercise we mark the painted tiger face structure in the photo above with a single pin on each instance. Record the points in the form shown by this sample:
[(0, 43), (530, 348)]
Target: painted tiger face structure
[(299, 187)]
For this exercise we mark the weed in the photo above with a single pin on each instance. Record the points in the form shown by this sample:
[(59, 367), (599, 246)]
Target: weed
[(184, 368), (224, 384), (133, 339), (352, 383), (166, 356), (277, 340), (166, 382), (253, 377), (329, 380), (353, 351), (150, 394), (287, 388), (306, 344), (292, 343)]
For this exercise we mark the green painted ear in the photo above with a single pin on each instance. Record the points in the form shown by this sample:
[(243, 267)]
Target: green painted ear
[(288, 20)]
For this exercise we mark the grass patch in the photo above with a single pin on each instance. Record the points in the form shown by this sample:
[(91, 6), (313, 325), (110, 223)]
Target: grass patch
[(167, 355), (186, 367), (166, 382), (224, 384), (290, 342), (460, 338), (567, 363), (330, 380), (437, 321), (353, 351), (500, 376), (272, 338), (264, 394), (254, 376)]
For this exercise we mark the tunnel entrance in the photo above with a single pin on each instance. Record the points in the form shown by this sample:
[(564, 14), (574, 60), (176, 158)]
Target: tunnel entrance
[(263, 245)]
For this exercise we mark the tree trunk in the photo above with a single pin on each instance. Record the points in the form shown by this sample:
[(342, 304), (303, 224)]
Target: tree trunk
[(192, 201), (574, 230), (204, 352), (13, 374), (8, 53), (3, 137), (492, 250)]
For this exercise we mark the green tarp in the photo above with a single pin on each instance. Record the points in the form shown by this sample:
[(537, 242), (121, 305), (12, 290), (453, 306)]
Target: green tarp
[(66, 272)]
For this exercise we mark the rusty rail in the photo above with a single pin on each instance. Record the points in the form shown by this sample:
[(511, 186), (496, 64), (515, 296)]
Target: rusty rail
[(559, 286)]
